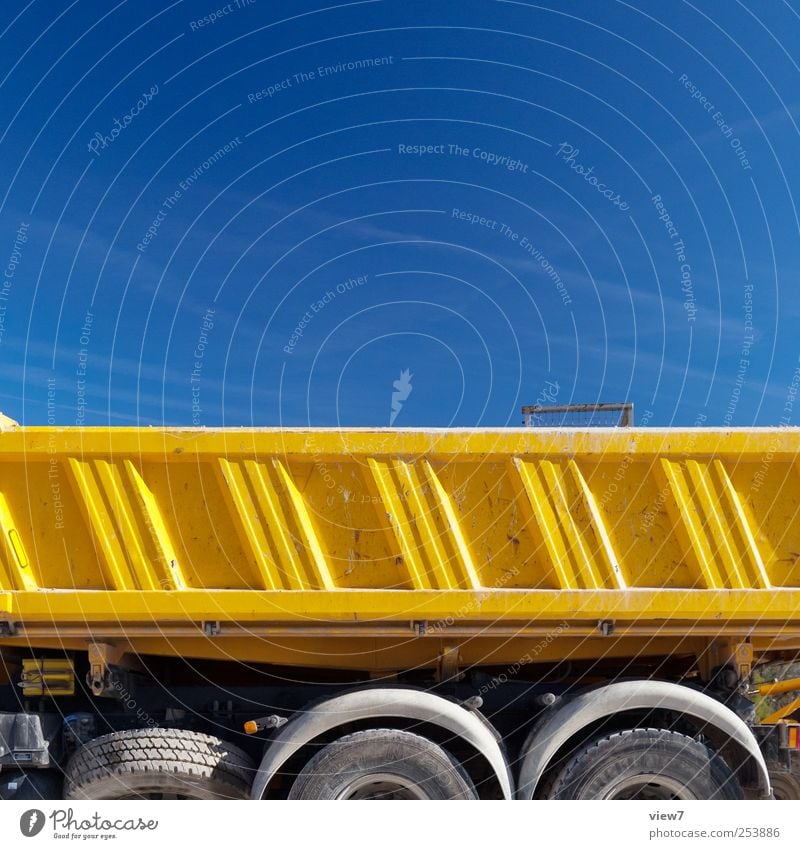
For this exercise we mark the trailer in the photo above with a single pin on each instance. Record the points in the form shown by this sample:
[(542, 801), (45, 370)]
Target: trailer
[(377, 613)]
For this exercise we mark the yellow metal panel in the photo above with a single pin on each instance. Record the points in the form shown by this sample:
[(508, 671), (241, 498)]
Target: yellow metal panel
[(689, 524), (755, 607), (740, 522), (156, 530), (443, 501), (462, 445), (718, 527), (420, 517), (309, 537), (395, 513), (130, 538), (475, 527), (597, 524), (287, 557), (548, 522), (107, 543), (18, 574), (573, 533), (246, 521)]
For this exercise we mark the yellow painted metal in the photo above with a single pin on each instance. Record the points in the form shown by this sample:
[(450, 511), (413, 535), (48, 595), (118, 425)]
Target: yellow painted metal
[(482, 529), (782, 712), (777, 688), (15, 572), (47, 677)]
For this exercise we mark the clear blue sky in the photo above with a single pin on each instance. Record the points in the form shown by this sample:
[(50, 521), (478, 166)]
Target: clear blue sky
[(264, 213)]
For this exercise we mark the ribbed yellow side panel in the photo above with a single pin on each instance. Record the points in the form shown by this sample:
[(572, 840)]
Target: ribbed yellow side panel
[(489, 523)]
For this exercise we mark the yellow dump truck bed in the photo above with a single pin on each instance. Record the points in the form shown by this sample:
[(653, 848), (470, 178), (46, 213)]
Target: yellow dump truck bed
[(380, 548)]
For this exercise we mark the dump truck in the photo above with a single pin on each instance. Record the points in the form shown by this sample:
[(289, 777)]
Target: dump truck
[(515, 613)]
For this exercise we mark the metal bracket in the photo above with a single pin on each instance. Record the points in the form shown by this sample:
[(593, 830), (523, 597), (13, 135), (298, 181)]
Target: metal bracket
[(734, 654), (102, 656), (449, 660), (212, 628), (606, 627), (8, 629), (47, 677), (264, 723)]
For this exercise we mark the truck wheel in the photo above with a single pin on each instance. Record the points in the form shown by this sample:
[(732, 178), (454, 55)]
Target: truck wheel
[(383, 764), (785, 785), (646, 763), (158, 763)]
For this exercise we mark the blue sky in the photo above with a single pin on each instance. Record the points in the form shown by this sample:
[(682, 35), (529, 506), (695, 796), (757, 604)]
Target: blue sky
[(262, 214)]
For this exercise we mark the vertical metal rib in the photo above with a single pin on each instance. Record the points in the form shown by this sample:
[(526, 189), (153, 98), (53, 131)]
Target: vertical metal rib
[(107, 543), (166, 554), (689, 524), (395, 513), (610, 561), (245, 518), (309, 537), (470, 578), (547, 522)]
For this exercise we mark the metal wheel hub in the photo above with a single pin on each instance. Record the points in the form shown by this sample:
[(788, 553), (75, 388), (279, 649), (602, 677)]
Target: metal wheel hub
[(649, 787), (381, 786)]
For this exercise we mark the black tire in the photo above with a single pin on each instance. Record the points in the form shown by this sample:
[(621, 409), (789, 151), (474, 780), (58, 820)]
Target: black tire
[(785, 785), (646, 763), (383, 764), (158, 763)]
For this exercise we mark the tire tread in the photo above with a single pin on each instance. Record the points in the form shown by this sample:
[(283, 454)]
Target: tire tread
[(159, 752)]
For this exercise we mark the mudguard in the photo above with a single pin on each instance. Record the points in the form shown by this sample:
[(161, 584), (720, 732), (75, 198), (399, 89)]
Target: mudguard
[(419, 705), (565, 721)]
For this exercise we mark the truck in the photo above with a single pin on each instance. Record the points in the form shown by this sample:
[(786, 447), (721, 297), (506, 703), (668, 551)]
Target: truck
[(312, 613)]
